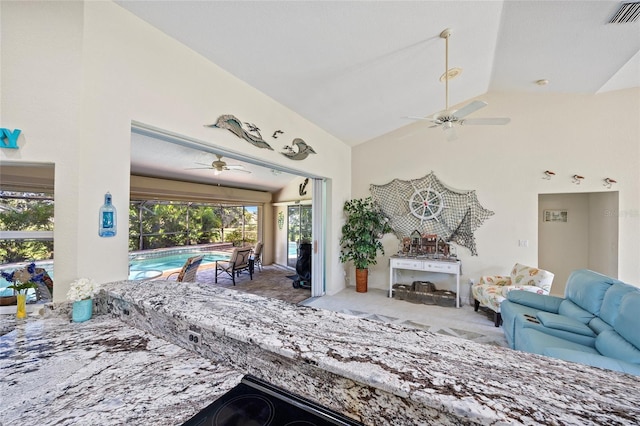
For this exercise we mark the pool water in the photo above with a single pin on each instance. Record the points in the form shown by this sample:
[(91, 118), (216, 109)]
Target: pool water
[(174, 261), (139, 262)]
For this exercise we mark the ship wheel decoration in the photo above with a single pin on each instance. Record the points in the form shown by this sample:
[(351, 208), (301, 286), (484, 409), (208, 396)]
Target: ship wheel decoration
[(431, 207), (426, 204)]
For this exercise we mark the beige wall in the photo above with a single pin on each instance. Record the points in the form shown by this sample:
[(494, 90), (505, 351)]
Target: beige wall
[(603, 233), (588, 240), (595, 136), (74, 77)]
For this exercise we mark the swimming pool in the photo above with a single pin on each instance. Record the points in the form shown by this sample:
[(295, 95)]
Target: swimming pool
[(168, 262), (161, 260)]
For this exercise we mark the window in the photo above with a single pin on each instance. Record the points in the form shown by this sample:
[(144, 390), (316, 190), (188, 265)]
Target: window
[(26, 226), (158, 224)]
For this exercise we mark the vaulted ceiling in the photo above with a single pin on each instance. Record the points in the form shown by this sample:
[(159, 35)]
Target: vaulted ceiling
[(357, 69)]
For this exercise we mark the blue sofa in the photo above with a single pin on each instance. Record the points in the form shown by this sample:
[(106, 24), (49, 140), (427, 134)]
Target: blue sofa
[(597, 323)]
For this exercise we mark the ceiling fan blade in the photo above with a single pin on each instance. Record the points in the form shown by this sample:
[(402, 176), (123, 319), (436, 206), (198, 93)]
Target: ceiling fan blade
[(198, 168), (432, 119), (468, 109), (485, 121), (237, 168)]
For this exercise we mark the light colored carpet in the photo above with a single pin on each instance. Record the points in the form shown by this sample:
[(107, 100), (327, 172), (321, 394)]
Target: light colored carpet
[(374, 305)]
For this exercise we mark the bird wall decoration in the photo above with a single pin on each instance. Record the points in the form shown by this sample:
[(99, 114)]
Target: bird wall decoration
[(303, 150), (276, 133), (234, 125)]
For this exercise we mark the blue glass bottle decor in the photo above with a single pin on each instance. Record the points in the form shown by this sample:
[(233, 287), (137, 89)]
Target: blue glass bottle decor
[(107, 218)]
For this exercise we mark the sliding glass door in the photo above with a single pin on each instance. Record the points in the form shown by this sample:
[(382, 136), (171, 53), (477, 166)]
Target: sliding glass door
[(298, 231)]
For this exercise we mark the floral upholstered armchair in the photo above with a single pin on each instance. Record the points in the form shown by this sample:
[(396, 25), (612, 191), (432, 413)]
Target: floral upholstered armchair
[(491, 290)]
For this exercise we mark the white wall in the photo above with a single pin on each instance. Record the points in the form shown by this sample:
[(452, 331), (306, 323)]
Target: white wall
[(595, 136), (74, 77)]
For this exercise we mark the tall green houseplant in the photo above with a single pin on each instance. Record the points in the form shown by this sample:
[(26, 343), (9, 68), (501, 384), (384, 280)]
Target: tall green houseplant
[(361, 234)]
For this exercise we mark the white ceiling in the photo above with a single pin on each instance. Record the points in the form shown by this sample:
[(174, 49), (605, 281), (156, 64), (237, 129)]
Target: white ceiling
[(358, 68), (160, 158)]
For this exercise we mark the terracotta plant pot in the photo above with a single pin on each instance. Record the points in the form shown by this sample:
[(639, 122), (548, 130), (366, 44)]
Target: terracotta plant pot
[(362, 277)]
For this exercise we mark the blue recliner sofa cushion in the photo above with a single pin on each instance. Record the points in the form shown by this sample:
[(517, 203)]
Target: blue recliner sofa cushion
[(611, 344), (593, 360), (586, 289), (560, 322), (536, 341), (598, 326), (628, 322), (571, 310), (540, 302), (520, 302), (562, 327), (612, 299)]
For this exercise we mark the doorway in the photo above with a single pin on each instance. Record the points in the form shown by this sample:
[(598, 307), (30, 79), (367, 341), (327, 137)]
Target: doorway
[(577, 231), (299, 223)]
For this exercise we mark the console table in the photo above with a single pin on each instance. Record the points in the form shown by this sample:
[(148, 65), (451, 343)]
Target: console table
[(425, 265)]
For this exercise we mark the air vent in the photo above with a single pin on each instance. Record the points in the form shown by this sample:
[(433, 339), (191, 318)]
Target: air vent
[(628, 12)]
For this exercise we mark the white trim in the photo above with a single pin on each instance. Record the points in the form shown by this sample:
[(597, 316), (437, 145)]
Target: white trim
[(26, 235), (305, 202), (318, 231)]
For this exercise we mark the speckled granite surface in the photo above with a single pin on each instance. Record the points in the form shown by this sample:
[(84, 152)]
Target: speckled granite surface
[(101, 372), (380, 374)]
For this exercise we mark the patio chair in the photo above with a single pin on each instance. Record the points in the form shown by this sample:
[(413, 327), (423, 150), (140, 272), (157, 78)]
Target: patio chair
[(240, 261), (188, 272), (257, 255), (44, 292)]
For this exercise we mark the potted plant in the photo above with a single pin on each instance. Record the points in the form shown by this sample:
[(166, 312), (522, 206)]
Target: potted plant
[(22, 280), (361, 234), (81, 293)]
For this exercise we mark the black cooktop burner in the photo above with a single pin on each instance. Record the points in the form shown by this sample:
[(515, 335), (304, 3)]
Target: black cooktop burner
[(255, 402)]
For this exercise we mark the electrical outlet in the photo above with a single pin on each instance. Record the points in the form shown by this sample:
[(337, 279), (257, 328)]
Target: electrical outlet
[(195, 338)]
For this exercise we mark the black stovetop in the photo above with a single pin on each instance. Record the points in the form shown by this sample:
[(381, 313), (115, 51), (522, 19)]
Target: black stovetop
[(254, 402)]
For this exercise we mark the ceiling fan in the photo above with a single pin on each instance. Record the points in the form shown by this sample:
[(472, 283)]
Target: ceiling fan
[(447, 118), (218, 166)]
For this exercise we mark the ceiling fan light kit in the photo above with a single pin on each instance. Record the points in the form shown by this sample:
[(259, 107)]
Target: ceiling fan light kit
[(218, 166), (447, 118)]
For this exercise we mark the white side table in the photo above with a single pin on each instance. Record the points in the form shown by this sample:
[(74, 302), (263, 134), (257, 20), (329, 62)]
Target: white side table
[(426, 265)]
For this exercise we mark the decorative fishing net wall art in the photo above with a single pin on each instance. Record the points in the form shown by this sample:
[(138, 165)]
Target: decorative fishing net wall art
[(431, 207)]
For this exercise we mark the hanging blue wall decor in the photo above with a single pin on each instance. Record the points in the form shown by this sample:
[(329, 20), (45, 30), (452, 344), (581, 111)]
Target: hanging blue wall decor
[(107, 218)]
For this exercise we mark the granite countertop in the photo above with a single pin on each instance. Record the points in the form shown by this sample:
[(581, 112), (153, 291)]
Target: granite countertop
[(101, 372), (457, 378), (105, 371)]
